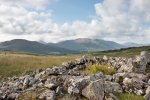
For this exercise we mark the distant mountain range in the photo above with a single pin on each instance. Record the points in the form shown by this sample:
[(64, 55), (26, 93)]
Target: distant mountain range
[(134, 44), (86, 44), (32, 47), (63, 47)]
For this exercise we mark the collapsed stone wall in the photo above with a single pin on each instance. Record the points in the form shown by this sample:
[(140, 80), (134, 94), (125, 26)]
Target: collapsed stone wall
[(70, 79)]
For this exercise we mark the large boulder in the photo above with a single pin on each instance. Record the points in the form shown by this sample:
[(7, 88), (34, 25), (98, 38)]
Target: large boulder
[(133, 85), (74, 85), (112, 87), (147, 96), (95, 90), (141, 62)]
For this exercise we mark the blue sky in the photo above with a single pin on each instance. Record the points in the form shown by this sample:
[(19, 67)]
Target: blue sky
[(70, 10), (57, 20)]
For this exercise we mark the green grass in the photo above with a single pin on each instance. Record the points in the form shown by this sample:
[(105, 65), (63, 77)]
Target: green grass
[(13, 64), (126, 96), (102, 68), (28, 96), (128, 52)]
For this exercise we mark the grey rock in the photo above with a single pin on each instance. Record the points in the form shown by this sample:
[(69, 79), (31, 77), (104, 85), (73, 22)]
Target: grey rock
[(112, 87), (95, 90), (147, 95), (48, 95), (12, 96)]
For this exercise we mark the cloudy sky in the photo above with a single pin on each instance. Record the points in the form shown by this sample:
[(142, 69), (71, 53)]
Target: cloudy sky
[(57, 20)]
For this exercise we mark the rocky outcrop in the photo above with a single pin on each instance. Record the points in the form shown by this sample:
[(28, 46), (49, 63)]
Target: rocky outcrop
[(70, 78)]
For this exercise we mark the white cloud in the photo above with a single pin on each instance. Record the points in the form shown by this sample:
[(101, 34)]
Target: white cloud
[(27, 3), (116, 20)]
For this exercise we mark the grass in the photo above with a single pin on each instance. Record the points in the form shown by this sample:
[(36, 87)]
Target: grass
[(13, 64), (126, 96), (127, 52), (102, 68), (28, 96)]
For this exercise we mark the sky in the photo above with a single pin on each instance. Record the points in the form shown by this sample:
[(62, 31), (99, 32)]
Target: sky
[(57, 20)]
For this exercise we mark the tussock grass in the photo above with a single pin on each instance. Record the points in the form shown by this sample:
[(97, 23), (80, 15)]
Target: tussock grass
[(126, 96), (16, 64), (102, 68)]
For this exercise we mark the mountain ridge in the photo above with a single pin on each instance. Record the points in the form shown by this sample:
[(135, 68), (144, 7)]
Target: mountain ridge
[(63, 47)]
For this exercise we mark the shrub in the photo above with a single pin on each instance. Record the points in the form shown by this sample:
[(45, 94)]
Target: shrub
[(101, 68)]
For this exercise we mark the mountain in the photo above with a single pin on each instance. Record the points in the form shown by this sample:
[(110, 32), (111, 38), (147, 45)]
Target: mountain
[(86, 44), (32, 47), (128, 44)]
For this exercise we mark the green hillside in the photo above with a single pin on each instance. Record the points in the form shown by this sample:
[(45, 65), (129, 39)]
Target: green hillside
[(126, 52)]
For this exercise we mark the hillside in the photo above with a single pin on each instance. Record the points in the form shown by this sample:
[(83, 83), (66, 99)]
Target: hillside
[(86, 44), (21, 45), (126, 52)]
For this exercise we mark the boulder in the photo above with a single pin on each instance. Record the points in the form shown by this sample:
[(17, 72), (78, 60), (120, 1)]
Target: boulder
[(134, 85), (75, 85), (147, 95), (12, 96), (48, 95), (112, 87), (95, 90), (141, 62)]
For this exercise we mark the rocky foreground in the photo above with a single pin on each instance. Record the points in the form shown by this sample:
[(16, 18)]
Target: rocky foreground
[(132, 76)]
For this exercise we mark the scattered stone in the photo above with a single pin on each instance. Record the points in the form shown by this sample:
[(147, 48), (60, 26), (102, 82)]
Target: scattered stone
[(70, 79)]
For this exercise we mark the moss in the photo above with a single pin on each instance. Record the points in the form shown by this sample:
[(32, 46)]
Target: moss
[(126, 96), (101, 68), (28, 96)]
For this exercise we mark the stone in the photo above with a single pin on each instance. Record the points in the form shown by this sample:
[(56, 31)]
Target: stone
[(76, 84), (147, 95), (141, 61), (48, 95), (73, 90), (59, 91), (96, 76), (105, 57), (12, 96), (149, 81), (112, 87), (108, 78), (95, 90), (26, 81)]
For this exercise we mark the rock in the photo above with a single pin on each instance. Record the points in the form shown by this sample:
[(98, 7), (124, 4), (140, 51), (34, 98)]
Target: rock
[(48, 95), (26, 81), (108, 78), (118, 77), (59, 91), (12, 96), (95, 90), (139, 92), (96, 76), (141, 62), (149, 81), (134, 85), (105, 57), (50, 85), (125, 68), (76, 84), (147, 95), (73, 90), (53, 82), (112, 87), (113, 96)]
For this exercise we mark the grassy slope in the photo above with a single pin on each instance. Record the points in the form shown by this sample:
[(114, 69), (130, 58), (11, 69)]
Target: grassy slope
[(16, 63), (129, 52)]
